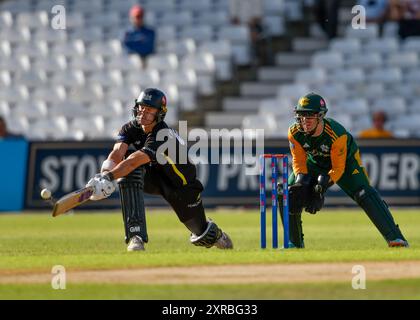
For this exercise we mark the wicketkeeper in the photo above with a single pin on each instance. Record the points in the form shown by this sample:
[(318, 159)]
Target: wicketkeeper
[(152, 170), (325, 153)]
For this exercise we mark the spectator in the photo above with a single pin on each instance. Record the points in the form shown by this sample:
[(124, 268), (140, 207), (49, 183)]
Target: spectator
[(407, 13), (4, 133), (249, 13), (140, 39), (379, 118), (326, 12), (376, 11)]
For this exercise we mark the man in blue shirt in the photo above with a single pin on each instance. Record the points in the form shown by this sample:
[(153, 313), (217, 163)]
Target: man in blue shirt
[(140, 39)]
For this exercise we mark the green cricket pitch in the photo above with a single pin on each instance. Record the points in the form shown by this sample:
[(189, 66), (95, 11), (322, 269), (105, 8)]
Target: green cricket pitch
[(90, 247)]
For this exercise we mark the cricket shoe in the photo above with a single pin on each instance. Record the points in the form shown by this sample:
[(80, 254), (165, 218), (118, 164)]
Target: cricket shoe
[(224, 242), (397, 243), (136, 244)]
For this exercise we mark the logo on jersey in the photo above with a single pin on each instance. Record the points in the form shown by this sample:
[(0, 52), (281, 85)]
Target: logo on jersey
[(324, 148)]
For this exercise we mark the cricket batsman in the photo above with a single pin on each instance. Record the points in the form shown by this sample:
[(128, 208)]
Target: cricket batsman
[(142, 170), (324, 153)]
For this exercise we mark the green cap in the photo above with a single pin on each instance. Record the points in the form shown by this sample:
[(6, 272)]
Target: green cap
[(311, 102)]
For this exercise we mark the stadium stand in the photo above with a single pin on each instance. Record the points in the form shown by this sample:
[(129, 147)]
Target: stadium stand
[(203, 62)]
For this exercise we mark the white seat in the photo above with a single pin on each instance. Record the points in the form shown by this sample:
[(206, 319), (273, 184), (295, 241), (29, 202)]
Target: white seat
[(18, 125), (162, 62), (68, 78), (160, 5), (412, 76), (392, 106), (107, 78), (92, 128), (5, 78), (345, 120), (112, 48), (14, 35), (371, 90), (412, 44), (5, 109), (386, 75), (146, 78), (35, 50), (214, 18), (125, 92), (327, 60), (86, 94), (403, 60), (353, 76), (178, 19), (125, 63), (5, 49), (260, 121), (407, 122), (366, 60), (292, 91), (195, 5), (414, 108), (346, 46), (275, 7), (31, 78), (180, 47), (15, 64), (50, 94), (198, 33), (74, 20), (370, 32), (6, 19), (50, 35), (382, 45), (311, 76), (108, 109), (33, 20), (69, 109), (165, 33), (204, 66), (239, 37), (15, 94), (91, 34), (104, 20), (54, 128), (187, 82), (278, 107), (274, 25), (331, 91), (87, 63), (361, 123), (390, 29), (354, 107), (52, 64), (31, 110), (69, 48), (222, 52)]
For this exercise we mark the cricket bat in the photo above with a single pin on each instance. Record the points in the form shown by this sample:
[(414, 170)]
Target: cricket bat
[(72, 200)]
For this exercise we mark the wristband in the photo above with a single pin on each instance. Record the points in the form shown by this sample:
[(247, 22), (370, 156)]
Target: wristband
[(108, 165)]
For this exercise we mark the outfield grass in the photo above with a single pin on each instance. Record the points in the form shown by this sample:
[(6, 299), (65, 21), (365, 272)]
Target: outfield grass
[(36, 242)]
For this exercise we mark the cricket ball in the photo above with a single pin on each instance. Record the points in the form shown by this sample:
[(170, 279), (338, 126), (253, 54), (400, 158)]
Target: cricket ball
[(45, 194)]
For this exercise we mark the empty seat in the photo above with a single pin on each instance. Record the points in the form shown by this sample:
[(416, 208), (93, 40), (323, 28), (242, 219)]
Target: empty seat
[(69, 48), (48, 128), (386, 75), (352, 76), (392, 106), (107, 78), (69, 109), (311, 76), (108, 109), (50, 94), (403, 60), (371, 90), (222, 52), (5, 78), (85, 94), (345, 120), (87, 63), (239, 37), (180, 47), (281, 107), (145, 78), (32, 20), (6, 19), (125, 63), (31, 78), (293, 91), (15, 94), (31, 110), (407, 122), (383, 45), (412, 44), (15, 64), (327, 60), (186, 81), (195, 5), (353, 107), (204, 66), (15, 35), (366, 60), (178, 19), (74, 20), (370, 32), (107, 19), (50, 35), (126, 92), (412, 76), (111, 48), (162, 62), (347, 46), (92, 128), (68, 78), (260, 121), (198, 33), (213, 18), (160, 5), (51, 64), (165, 33), (91, 34), (274, 25)]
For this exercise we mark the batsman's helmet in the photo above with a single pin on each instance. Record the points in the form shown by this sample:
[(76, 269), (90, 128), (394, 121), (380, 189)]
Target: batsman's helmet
[(152, 98), (312, 103)]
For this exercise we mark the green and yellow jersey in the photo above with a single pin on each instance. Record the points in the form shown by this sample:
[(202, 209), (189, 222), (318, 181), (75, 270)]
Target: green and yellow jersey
[(329, 153)]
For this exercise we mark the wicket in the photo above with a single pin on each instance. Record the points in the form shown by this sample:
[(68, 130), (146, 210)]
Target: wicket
[(274, 224)]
